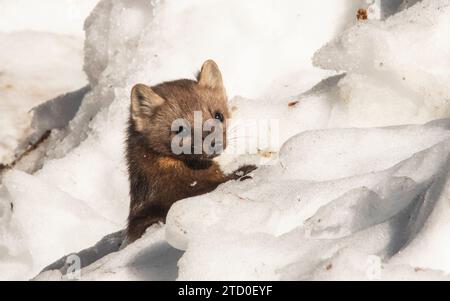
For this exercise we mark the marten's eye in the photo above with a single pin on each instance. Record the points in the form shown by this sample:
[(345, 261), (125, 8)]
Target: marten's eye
[(218, 116), (182, 131)]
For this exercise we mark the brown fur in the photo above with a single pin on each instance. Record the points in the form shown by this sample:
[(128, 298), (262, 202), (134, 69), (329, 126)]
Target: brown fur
[(158, 178)]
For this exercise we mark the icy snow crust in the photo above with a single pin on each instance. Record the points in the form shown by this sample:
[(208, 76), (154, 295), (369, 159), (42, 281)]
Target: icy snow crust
[(353, 192)]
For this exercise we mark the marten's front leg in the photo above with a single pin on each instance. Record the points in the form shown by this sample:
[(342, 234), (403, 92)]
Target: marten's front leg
[(195, 182), (143, 218), (208, 179)]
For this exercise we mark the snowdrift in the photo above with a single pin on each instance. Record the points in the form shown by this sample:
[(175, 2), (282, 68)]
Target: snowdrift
[(352, 193), (26, 82), (41, 58)]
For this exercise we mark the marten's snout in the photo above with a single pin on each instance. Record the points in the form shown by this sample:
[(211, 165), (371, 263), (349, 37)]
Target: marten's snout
[(214, 149), (211, 143), (208, 147)]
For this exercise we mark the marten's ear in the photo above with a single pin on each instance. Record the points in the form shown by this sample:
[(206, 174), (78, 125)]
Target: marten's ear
[(144, 101), (210, 76)]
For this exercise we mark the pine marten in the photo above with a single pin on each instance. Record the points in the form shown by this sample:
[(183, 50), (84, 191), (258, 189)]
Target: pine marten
[(159, 177)]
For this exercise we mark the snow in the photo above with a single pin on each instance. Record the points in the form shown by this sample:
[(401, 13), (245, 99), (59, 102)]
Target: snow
[(265, 215), (58, 208), (36, 67), (42, 59), (151, 257), (357, 188), (52, 16), (404, 56)]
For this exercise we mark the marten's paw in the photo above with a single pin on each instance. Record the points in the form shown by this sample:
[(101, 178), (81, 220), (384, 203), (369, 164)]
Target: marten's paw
[(242, 172)]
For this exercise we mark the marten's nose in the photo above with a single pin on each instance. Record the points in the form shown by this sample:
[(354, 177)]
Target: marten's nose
[(216, 144)]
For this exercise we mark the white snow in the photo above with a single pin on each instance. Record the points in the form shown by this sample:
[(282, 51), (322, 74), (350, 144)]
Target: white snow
[(403, 63), (52, 16), (35, 67), (151, 257), (41, 58), (358, 188), (278, 215)]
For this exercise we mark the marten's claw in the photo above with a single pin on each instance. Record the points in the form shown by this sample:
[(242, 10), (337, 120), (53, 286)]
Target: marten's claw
[(245, 178), (242, 172), (246, 169)]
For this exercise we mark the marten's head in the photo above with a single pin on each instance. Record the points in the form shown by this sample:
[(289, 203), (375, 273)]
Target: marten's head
[(183, 116)]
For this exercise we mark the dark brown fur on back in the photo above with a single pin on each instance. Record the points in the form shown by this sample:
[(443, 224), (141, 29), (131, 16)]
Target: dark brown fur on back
[(157, 177)]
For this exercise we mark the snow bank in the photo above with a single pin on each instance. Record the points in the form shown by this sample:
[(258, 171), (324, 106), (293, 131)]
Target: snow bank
[(259, 229), (62, 217), (257, 44), (401, 64), (389, 76), (262, 48), (35, 67), (41, 59), (150, 258), (329, 202), (343, 203)]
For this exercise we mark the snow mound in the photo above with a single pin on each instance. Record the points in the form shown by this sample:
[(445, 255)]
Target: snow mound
[(260, 228), (26, 81), (401, 63), (62, 216), (150, 258), (334, 198), (139, 41), (379, 194)]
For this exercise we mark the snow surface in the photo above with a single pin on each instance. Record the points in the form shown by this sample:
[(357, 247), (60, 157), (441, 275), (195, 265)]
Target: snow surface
[(353, 191), (35, 67), (287, 223), (52, 16), (41, 58)]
